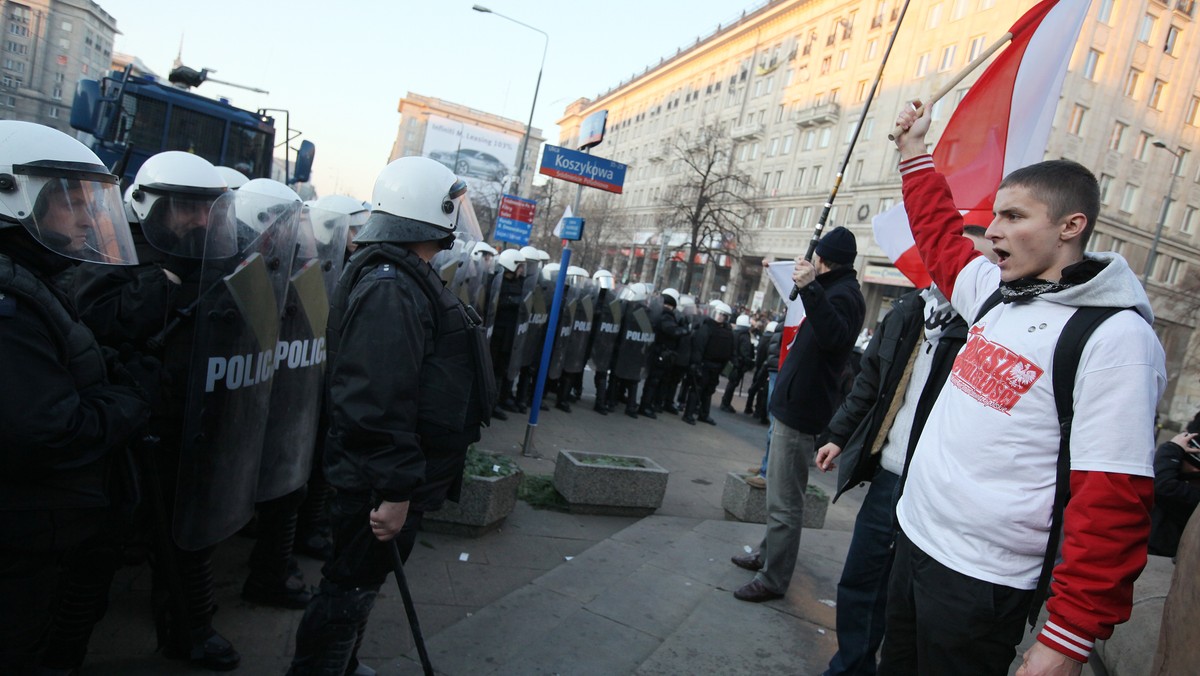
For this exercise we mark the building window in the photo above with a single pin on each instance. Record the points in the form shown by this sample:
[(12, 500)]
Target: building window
[(959, 10), (15, 47), (1139, 150), (790, 221), (800, 177), (1189, 220), (1105, 12), (868, 127), (1090, 63), (1117, 138), (1129, 198), (787, 144), (843, 59), (939, 109), (977, 45), (779, 113), (823, 139), (1174, 272), (986, 4), (825, 64), (810, 139), (1146, 29), (1190, 117), (948, 54), (770, 219), (8, 101), (1077, 119), (934, 17), (858, 171), (778, 180), (66, 26), (816, 177), (1105, 184), (1131, 82), (1179, 161), (872, 48), (860, 91), (53, 112), (771, 149), (922, 65), (806, 217), (1156, 94), (56, 93), (18, 29), (1172, 39)]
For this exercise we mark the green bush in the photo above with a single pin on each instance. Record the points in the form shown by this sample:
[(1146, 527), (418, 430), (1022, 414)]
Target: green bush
[(538, 491), (484, 464)]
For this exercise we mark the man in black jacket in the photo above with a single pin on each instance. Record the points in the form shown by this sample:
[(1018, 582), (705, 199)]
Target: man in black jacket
[(669, 332), (410, 384), (63, 421), (712, 348), (802, 404)]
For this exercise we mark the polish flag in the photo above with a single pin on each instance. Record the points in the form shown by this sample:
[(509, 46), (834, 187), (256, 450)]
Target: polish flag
[(1001, 125), (781, 276)]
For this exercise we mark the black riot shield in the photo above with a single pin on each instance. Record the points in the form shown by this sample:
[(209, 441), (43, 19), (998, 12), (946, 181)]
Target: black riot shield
[(490, 300), (291, 435), (521, 337), (576, 353), (230, 376), (633, 344), (539, 313), (563, 337), (605, 327)]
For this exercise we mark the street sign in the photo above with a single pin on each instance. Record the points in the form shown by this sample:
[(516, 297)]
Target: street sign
[(572, 228), (576, 167), (591, 132), (515, 222)]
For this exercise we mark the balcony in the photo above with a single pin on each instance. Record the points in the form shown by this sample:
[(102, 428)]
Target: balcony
[(744, 132), (816, 116)]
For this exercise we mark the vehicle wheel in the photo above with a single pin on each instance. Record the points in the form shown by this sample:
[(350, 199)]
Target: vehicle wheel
[(462, 168)]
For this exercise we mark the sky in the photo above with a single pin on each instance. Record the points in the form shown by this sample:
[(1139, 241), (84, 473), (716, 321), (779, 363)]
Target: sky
[(341, 68)]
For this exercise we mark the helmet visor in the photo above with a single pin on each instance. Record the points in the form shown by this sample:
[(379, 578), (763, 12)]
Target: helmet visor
[(75, 214), (192, 225)]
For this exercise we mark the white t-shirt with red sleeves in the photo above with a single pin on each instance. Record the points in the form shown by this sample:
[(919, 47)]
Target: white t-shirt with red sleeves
[(981, 484)]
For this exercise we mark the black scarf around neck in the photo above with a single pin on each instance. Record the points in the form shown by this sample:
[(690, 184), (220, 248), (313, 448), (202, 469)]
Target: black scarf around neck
[(1028, 288)]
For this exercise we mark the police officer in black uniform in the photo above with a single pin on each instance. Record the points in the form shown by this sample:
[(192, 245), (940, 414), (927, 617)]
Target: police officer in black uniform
[(668, 333), (510, 265), (64, 424), (410, 384), (712, 348)]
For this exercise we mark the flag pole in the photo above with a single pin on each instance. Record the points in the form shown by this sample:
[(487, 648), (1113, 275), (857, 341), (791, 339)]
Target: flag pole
[(967, 70), (837, 181)]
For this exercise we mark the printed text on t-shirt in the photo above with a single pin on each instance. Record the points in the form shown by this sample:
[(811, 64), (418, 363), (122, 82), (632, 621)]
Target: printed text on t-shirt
[(992, 374)]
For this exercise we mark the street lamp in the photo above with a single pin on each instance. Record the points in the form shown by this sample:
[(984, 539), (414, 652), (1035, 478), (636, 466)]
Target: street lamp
[(1162, 215), (538, 86)]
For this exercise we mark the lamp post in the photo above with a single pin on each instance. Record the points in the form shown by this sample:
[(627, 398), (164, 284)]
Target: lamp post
[(538, 86), (1162, 215)]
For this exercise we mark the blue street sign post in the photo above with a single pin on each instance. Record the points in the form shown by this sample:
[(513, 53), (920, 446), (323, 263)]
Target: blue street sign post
[(582, 169)]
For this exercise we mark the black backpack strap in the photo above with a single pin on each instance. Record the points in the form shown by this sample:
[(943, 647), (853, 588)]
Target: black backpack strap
[(991, 302), (1067, 353)]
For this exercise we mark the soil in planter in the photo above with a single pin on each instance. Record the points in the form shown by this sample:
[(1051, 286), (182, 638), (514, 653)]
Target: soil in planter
[(609, 460), (538, 491)]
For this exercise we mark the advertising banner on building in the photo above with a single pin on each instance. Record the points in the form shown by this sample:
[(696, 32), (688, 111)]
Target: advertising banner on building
[(478, 155)]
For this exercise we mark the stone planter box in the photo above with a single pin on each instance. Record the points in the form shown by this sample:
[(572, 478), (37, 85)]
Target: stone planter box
[(483, 506), (606, 489), (743, 502)]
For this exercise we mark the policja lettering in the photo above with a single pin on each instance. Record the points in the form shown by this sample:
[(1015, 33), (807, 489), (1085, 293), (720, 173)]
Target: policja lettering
[(300, 353), (240, 370)]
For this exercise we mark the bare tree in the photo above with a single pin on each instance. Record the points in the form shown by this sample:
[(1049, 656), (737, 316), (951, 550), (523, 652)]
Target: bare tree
[(711, 201)]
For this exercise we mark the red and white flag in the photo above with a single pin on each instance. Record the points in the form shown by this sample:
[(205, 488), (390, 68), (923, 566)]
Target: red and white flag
[(781, 276), (1001, 125)]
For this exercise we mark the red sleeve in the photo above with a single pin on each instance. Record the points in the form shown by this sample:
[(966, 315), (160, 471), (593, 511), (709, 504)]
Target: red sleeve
[(1106, 527), (936, 224)]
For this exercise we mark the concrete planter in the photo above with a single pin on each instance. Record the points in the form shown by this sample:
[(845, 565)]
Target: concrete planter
[(592, 488), (484, 504), (743, 502)]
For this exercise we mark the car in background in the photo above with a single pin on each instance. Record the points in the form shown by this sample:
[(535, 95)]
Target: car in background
[(470, 162)]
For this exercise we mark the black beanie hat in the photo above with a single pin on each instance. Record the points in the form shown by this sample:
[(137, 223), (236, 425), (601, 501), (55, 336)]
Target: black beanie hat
[(838, 246)]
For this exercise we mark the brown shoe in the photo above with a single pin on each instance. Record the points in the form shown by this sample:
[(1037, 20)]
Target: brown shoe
[(754, 592), (753, 470), (748, 561), (756, 481)]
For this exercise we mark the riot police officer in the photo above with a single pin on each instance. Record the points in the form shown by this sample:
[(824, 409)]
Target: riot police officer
[(409, 385), (64, 424), (668, 331), (712, 348), (149, 309), (743, 360), (605, 328), (504, 341)]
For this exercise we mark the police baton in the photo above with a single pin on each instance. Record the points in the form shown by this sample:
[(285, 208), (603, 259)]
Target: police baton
[(409, 608)]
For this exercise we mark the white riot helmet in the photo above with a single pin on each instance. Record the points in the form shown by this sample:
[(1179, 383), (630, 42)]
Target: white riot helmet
[(261, 202), (550, 271), (576, 275), (772, 326), (743, 321), (636, 292), (183, 206), (672, 294), (62, 194), (233, 178), (481, 249), (417, 199), (720, 311), (357, 210), (510, 259), (603, 279)]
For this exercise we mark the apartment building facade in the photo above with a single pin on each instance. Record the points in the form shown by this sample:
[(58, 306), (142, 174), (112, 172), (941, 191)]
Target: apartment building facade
[(788, 80)]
